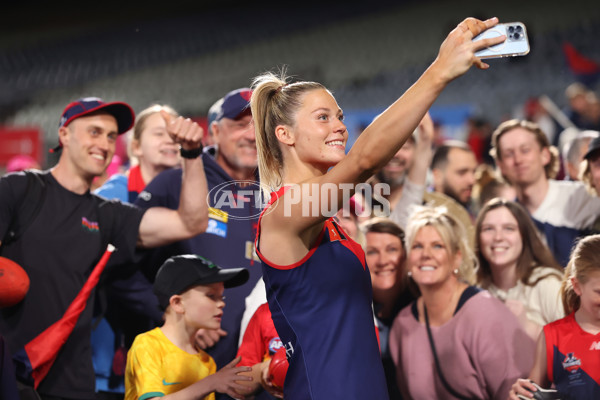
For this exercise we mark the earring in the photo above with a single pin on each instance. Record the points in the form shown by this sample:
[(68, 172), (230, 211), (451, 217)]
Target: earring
[(455, 271), (409, 273)]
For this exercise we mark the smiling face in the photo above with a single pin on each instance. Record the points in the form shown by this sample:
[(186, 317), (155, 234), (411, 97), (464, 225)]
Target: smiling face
[(237, 144), (385, 258), (521, 159), (89, 144), (203, 305), (429, 259), (500, 240), (155, 147), (319, 136), (395, 170)]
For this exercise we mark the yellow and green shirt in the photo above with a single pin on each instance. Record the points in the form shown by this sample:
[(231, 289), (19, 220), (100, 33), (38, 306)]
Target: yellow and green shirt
[(156, 367)]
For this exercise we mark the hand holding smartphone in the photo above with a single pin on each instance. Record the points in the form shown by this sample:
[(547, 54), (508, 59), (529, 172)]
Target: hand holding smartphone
[(516, 43)]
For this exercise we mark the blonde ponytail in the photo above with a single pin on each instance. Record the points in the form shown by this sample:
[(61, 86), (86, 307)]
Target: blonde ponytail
[(274, 102)]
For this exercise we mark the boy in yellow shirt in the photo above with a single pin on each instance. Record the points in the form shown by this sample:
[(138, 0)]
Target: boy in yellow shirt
[(165, 361)]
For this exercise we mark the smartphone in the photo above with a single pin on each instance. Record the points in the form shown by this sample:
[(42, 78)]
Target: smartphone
[(516, 43)]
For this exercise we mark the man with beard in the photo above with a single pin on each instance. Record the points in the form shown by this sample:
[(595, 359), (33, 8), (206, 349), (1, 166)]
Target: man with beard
[(401, 182), (395, 171), (453, 168)]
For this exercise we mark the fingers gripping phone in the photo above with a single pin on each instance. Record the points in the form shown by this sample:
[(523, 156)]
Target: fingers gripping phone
[(516, 43)]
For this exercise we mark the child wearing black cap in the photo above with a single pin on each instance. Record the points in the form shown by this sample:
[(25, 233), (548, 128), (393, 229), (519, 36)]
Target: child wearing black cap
[(165, 361)]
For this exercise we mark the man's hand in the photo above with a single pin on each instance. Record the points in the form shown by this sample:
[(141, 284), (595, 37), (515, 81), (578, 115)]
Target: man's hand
[(207, 338), (184, 132)]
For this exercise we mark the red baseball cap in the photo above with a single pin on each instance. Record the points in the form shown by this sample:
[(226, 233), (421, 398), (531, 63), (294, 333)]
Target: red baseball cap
[(122, 112)]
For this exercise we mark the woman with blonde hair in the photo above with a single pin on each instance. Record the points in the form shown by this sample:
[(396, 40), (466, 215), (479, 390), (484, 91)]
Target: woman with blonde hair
[(455, 339), (516, 266), (318, 285), (568, 350)]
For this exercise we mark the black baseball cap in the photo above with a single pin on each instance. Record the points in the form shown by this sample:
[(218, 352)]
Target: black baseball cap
[(182, 272)]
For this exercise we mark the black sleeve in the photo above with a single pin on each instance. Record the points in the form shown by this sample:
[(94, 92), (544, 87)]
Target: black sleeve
[(120, 225), (10, 186)]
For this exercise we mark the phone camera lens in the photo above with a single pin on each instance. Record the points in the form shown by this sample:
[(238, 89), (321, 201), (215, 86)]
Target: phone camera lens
[(518, 28), (517, 36), (511, 29)]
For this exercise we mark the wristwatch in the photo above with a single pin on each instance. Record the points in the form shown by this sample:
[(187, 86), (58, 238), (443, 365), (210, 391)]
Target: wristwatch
[(192, 153)]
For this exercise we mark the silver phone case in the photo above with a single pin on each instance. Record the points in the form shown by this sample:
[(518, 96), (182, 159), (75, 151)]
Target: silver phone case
[(516, 43)]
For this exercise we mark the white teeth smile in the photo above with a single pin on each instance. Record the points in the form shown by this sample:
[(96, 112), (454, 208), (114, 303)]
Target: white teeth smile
[(98, 157), (427, 268), (335, 143)]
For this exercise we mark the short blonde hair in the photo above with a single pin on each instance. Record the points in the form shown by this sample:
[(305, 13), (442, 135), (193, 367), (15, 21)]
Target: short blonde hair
[(452, 232)]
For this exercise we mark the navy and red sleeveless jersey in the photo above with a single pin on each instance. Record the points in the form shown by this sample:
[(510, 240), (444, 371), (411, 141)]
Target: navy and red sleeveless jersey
[(322, 309), (573, 359)]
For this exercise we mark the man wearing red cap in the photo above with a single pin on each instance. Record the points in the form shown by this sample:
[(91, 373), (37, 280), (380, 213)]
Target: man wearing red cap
[(62, 243)]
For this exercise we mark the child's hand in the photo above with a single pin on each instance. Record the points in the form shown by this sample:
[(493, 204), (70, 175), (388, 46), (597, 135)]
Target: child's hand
[(524, 388), (224, 380), (266, 382)]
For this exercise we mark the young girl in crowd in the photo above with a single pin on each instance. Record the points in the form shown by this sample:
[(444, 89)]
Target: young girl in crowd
[(568, 351), (516, 266), (152, 151), (318, 286)]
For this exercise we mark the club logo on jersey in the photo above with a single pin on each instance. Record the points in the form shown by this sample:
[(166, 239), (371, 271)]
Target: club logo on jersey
[(88, 225), (146, 196), (595, 346), (274, 345), (571, 363)]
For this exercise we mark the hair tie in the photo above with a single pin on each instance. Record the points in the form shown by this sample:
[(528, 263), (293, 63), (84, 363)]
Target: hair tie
[(280, 88)]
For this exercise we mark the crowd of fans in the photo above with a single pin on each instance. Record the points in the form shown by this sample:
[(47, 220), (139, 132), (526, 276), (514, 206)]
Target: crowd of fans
[(470, 250)]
